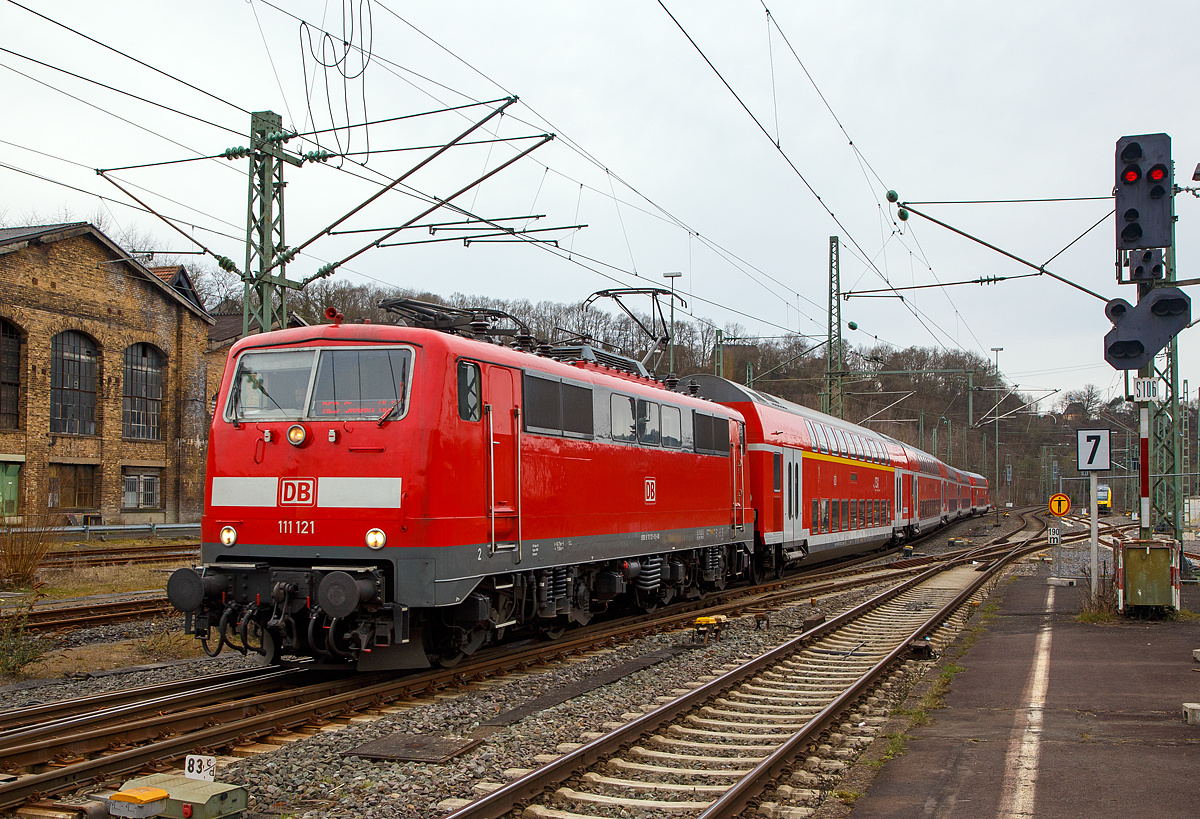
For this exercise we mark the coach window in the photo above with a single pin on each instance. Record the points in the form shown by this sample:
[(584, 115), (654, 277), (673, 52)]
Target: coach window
[(854, 513), (821, 437), (72, 384), (836, 442), (825, 516), (862, 514), (672, 431), (845, 514), (623, 427), (470, 402), (647, 422), (816, 517), (776, 461)]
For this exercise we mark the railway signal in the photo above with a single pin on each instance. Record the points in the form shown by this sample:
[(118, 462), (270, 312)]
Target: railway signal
[(1141, 330), (1143, 191)]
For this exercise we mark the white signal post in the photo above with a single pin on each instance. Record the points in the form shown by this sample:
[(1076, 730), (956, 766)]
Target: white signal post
[(1094, 452)]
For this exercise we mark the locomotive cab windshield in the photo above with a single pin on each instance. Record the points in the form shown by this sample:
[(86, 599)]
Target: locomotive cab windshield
[(341, 384)]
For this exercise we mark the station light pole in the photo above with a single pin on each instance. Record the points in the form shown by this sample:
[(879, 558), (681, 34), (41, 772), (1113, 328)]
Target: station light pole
[(997, 351), (672, 276)]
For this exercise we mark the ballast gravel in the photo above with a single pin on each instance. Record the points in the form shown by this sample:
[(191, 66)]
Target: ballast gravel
[(318, 778)]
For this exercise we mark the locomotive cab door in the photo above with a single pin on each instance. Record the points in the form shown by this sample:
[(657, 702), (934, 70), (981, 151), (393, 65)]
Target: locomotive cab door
[(502, 425)]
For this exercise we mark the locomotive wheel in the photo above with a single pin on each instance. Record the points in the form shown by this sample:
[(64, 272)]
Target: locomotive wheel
[(756, 572), (551, 633), (779, 565), (270, 645), (451, 659)]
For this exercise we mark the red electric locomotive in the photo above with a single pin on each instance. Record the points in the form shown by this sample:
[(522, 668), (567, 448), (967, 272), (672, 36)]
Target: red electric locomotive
[(392, 495)]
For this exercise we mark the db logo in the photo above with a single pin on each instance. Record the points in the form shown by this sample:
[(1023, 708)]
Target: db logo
[(297, 492), (651, 490)]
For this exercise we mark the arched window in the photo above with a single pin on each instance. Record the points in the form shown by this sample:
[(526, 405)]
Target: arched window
[(143, 392), (10, 376), (72, 384)]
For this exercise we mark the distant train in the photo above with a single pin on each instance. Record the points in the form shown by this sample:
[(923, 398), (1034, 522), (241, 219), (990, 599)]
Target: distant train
[(395, 496), (1103, 499)]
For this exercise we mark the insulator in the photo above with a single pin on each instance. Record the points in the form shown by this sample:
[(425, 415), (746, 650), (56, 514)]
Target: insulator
[(236, 153)]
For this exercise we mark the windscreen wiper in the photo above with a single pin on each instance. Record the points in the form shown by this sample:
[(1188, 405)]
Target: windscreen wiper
[(387, 413)]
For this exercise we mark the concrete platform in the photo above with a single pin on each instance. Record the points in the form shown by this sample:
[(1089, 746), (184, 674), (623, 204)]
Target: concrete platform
[(1053, 718)]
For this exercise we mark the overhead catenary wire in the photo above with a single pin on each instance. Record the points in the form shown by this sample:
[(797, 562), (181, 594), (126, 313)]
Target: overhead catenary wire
[(115, 50), (787, 159), (572, 145), (116, 90)]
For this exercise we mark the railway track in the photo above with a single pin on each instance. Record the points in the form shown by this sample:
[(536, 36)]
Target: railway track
[(56, 748), (721, 749), (62, 618), (85, 556)]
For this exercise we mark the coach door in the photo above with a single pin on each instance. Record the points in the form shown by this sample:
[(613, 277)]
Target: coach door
[(907, 496), (502, 422), (793, 514), (737, 473)]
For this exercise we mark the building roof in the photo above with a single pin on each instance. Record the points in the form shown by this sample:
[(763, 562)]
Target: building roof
[(18, 238), (176, 276), (227, 328), (28, 233)]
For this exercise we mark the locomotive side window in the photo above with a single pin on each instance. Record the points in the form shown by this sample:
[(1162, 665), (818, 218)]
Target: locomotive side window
[(470, 405), (543, 403), (557, 408), (623, 426), (672, 432), (647, 422), (721, 436), (704, 431), (712, 434), (577, 410), (360, 383)]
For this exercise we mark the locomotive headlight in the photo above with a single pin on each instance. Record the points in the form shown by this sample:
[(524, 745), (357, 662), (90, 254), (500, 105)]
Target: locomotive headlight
[(376, 538), (228, 536), (296, 434)]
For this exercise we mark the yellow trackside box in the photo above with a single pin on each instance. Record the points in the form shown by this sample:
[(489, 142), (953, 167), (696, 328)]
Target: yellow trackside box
[(138, 803)]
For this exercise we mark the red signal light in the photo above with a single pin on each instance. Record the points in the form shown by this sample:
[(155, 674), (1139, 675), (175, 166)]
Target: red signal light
[(1157, 174), (1131, 174)]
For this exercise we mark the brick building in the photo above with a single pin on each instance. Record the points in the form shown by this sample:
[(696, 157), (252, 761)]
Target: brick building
[(103, 381)]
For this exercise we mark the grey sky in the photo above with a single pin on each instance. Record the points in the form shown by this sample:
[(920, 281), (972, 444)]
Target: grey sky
[(945, 101)]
